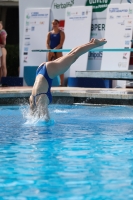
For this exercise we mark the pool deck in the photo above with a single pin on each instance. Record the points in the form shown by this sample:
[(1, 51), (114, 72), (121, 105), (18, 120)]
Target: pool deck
[(70, 95)]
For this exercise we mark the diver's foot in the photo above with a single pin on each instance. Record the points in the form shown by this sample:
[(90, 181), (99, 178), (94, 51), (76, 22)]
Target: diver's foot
[(92, 40), (100, 42)]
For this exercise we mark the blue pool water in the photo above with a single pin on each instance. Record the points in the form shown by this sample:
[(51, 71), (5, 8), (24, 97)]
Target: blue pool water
[(85, 153)]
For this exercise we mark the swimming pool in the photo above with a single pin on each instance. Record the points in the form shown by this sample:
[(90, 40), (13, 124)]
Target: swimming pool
[(87, 153)]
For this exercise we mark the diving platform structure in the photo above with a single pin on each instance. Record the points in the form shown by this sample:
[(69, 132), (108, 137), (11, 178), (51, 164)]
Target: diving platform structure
[(114, 75)]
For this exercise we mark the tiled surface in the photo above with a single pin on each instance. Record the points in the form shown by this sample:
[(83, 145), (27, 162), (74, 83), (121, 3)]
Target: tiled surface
[(116, 93), (118, 75)]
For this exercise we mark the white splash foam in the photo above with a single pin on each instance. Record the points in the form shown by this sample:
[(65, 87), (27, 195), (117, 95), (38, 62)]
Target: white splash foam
[(60, 111), (34, 120)]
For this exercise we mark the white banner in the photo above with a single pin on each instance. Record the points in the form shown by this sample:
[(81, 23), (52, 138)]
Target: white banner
[(118, 33), (76, 21), (98, 21), (36, 27), (58, 8)]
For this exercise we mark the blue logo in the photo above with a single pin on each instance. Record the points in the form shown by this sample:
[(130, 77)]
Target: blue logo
[(127, 42), (95, 56), (32, 28), (112, 10), (26, 49), (37, 15)]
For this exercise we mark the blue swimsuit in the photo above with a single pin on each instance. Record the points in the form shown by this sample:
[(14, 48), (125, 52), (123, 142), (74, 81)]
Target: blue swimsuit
[(54, 40), (42, 70)]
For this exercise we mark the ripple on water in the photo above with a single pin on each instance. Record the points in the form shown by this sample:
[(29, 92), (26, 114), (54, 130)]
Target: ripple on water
[(82, 153)]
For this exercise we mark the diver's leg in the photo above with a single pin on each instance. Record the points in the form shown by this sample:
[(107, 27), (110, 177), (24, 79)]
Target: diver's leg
[(62, 64)]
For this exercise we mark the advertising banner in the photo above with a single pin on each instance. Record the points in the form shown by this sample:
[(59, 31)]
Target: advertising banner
[(36, 27), (79, 16), (118, 33), (97, 25), (58, 8)]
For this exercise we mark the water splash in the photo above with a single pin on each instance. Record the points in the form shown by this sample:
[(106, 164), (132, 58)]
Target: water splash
[(60, 111), (34, 120)]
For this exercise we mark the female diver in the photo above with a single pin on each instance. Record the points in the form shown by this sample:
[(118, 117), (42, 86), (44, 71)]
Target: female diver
[(41, 95)]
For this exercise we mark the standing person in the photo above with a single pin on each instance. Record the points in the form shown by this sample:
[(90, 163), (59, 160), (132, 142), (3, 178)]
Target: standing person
[(3, 52), (55, 40), (41, 94)]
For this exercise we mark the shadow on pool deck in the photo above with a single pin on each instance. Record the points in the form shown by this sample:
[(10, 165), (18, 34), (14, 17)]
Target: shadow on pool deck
[(70, 95)]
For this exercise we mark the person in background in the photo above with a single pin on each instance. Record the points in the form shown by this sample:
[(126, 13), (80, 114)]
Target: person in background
[(3, 52), (55, 40), (0, 55)]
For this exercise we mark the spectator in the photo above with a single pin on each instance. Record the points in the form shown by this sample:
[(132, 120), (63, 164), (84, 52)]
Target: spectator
[(3, 52), (55, 40)]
